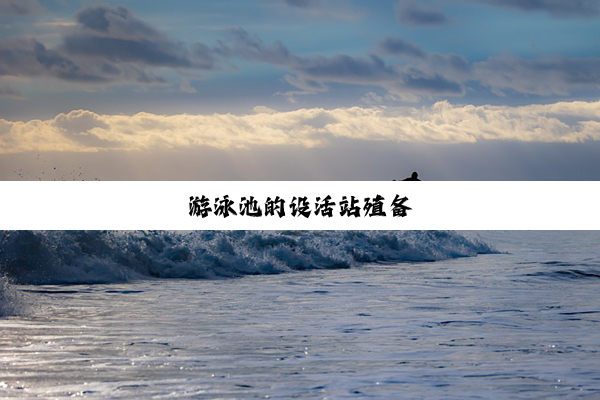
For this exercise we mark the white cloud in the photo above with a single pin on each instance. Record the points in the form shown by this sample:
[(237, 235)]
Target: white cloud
[(85, 131), (264, 110)]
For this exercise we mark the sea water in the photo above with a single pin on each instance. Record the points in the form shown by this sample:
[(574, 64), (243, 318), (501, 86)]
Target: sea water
[(300, 314)]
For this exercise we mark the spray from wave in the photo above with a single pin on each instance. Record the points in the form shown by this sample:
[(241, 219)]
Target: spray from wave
[(76, 257), (10, 300)]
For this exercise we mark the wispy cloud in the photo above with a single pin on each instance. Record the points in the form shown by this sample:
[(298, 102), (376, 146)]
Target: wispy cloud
[(556, 8), (414, 13), (411, 12), (110, 45), (421, 74), (405, 81), (6, 90), (328, 9), (19, 7)]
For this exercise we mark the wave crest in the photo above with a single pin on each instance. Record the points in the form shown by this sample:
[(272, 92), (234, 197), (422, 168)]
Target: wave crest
[(56, 257)]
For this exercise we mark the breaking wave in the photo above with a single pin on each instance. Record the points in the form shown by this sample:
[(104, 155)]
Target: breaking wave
[(77, 257)]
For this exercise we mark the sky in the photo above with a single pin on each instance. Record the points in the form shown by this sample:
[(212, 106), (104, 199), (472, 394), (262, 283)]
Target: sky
[(299, 89)]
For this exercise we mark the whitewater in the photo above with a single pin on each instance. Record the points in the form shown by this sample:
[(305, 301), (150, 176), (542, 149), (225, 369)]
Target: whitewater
[(323, 314)]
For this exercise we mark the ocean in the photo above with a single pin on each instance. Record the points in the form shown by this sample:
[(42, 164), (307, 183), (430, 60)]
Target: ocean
[(300, 314)]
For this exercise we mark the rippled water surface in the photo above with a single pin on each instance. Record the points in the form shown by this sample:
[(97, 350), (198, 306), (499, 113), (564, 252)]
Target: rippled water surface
[(519, 324)]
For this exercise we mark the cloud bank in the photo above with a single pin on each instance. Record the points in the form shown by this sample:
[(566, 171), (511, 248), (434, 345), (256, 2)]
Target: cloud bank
[(420, 74), (85, 131), (542, 76), (110, 45)]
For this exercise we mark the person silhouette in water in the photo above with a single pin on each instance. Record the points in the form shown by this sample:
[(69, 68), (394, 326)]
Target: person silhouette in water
[(413, 177)]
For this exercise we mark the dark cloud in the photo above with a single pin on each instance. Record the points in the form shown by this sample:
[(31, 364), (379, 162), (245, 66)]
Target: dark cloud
[(434, 85), (115, 21), (129, 51), (314, 72), (448, 64), (545, 76), (19, 7), (316, 68), (557, 8), (109, 44), (402, 48), (243, 44), (416, 13), (344, 68), (343, 10), (299, 3), (114, 34), (28, 57), (413, 13), (448, 73)]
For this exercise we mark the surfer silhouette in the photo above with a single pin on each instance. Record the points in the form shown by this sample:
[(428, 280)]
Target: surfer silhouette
[(413, 177)]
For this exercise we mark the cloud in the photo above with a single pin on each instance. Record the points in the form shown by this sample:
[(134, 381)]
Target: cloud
[(8, 91), (544, 76), (329, 9), (108, 44), (85, 131), (115, 21), (264, 110), (556, 8), (400, 47), (315, 72), (114, 34), (77, 125), (28, 57), (19, 7), (299, 3), (425, 74), (243, 44), (412, 13), (23, 57)]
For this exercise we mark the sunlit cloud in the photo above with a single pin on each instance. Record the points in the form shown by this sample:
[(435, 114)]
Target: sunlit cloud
[(85, 131)]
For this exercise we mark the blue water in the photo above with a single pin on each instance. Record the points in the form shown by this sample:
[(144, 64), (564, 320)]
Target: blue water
[(300, 314)]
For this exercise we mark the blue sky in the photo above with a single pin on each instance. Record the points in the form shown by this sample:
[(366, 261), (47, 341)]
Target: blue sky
[(241, 77)]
